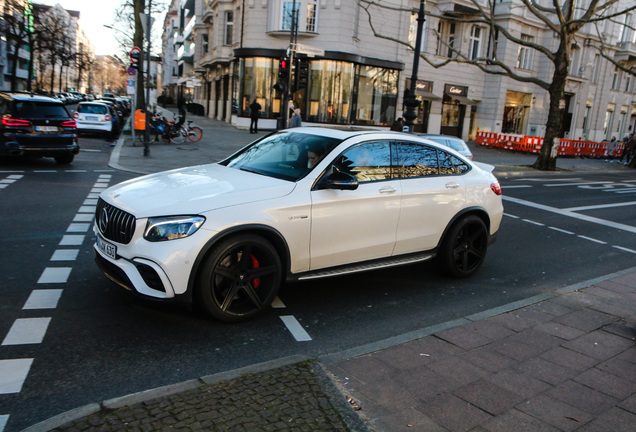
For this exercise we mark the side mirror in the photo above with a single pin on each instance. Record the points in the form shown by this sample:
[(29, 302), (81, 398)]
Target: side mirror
[(338, 180)]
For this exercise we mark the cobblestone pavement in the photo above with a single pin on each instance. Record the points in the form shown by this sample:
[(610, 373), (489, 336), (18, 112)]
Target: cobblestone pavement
[(290, 398)]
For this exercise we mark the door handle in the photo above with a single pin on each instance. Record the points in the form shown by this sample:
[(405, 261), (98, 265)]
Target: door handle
[(387, 189), (452, 185)]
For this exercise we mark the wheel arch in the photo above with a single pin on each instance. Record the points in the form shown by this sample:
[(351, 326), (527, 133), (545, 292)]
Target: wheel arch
[(478, 211), (268, 233)]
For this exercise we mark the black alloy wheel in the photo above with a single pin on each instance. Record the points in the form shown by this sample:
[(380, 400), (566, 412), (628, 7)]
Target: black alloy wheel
[(240, 278), (464, 247)]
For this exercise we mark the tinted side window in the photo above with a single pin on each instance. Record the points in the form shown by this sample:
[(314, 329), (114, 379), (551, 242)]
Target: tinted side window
[(416, 160), (449, 164), (4, 107), (368, 162)]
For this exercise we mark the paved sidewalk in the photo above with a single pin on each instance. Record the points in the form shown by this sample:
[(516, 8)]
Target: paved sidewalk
[(562, 361)]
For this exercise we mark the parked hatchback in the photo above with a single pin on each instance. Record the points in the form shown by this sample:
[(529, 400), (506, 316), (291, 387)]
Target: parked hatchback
[(92, 117), (36, 126), (298, 204)]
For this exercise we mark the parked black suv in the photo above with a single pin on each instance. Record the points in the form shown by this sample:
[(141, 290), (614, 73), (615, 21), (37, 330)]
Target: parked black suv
[(38, 126)]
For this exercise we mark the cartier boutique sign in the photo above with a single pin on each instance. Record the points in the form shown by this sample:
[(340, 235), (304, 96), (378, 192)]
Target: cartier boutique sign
[(455, 90)]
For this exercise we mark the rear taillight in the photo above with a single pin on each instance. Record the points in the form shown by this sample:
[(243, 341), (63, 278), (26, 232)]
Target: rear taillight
[(75, 115), (15, 122), (495, 187), (107, 118), (69, 124)]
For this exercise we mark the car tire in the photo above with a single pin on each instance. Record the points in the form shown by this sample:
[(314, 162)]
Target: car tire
[(239, 279), (65, 159), (463, 250)]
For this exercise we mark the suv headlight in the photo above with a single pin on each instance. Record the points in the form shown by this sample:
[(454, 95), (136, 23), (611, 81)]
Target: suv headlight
[(172, 227)]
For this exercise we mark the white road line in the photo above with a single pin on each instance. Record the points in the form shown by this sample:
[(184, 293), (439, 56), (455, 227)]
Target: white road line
[(43, 299), (548, 180), (571, 214), (592, 239), (27, 331), (4, 419), (517, 187), (72, 240), (511, 216), (97, 190), (15, 176), (55, 275), (75, 171), (65, 255), (7, 181), (2, 186), (83, 217), (576, 184), (625, 249), (13, 372), (602, 206), (87, 209), (295, 328), (278, 303), (90, 201), (561, 230), (78, 227), (533, 222), (44, 171)]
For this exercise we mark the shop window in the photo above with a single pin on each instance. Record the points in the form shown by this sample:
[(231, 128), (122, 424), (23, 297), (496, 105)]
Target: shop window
[(377, 90), (526, 54), (329, 92), (258, 76)]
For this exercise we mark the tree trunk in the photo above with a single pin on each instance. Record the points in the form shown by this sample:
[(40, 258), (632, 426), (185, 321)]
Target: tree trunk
[(52, 75), (548, 154)]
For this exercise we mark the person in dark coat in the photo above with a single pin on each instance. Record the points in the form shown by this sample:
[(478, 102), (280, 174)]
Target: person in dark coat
[(255, 111)]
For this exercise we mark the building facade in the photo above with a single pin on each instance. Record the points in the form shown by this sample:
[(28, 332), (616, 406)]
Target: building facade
[(226, 53)]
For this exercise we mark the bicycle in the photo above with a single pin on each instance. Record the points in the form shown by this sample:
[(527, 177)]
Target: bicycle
[(193, 133), (167, 129)]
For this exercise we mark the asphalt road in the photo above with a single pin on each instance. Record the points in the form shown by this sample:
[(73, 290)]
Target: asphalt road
[(101, 342)]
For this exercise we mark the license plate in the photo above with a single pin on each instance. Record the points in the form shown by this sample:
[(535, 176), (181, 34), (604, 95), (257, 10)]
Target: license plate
[(92, 118), (107, 249), (46, 128)]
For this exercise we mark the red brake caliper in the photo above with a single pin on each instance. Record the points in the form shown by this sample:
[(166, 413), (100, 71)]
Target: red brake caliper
[(255, 264)]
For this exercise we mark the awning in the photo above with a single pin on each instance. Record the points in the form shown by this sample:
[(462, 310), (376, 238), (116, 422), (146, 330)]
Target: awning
[(426, 95), (463, 100)]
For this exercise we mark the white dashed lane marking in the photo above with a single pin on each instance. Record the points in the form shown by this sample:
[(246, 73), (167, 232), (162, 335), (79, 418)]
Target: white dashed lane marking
[(13, 372), (27, 331), (55, 275), (43, 299), (65, 255), (295, 328)]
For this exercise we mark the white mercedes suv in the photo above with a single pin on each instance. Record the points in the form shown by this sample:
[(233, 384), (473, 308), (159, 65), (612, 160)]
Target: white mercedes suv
[(297, 204)]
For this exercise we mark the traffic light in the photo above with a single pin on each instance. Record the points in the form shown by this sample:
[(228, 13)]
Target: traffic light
[(279, 86), (283, 68), (302, 74), (134, 66)]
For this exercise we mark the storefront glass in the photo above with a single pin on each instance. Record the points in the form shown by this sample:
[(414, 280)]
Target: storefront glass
[(337, 92), (377, 96), (515, 112)]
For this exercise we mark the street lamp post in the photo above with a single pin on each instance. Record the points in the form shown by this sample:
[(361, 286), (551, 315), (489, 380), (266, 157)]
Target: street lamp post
[(411, 101)]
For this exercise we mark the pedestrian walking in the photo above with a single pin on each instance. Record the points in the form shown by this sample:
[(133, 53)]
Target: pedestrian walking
[(296, 120), (398, 125), (611, 148), (255, 112), (628, 149)]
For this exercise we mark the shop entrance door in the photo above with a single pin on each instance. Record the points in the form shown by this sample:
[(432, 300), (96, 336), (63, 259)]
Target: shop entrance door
[(452, 117)]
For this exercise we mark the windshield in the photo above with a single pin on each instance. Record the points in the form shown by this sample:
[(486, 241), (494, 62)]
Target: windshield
[(283, 155), (31, 109)]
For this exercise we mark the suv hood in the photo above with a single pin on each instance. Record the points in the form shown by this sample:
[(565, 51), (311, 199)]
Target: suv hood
[(193, 190)]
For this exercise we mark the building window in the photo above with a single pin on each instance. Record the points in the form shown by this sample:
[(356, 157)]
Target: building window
[(616, 79), (204, 43), (474, 49), (413, 33), (626, 30), (446, 39), (229, 28), (525, 56), (306, 14), (596, 69)]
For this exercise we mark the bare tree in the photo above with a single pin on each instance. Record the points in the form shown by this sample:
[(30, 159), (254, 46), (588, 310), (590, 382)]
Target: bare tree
[(565, 18)]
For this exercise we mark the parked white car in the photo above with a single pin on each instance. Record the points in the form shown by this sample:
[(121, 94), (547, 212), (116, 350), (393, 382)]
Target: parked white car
[(298, 204), (93, 117)]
